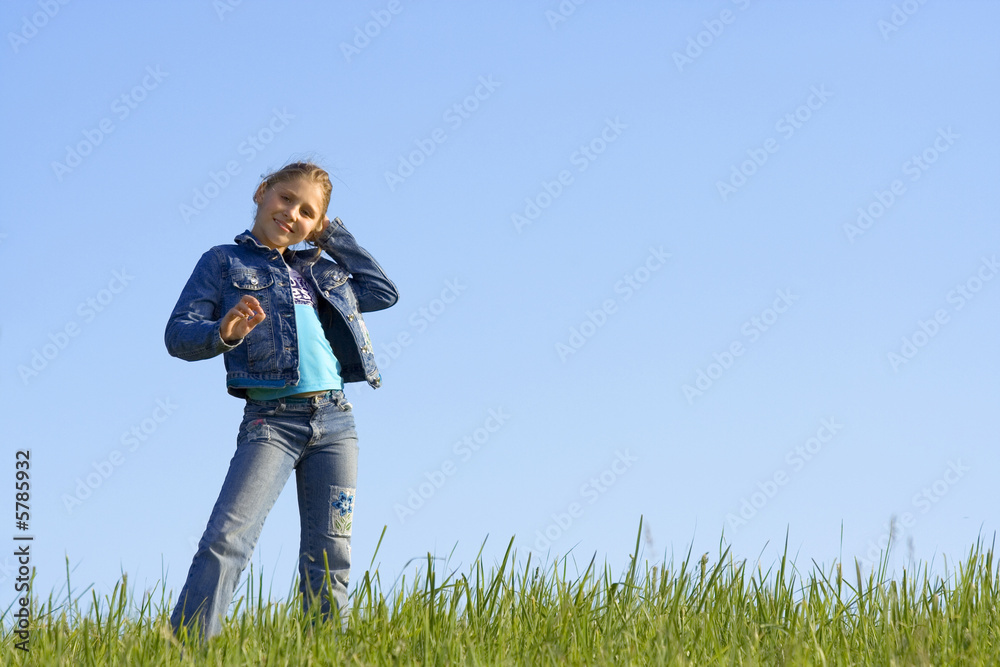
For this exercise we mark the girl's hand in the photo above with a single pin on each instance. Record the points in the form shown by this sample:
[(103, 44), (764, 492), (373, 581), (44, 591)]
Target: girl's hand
[(241, 319), (312, 238)]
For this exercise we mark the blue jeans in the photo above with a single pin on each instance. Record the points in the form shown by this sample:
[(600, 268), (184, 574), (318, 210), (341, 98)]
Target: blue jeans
[(314, 436)]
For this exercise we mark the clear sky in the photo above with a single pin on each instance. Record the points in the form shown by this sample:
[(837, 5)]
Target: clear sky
[(728, 265)]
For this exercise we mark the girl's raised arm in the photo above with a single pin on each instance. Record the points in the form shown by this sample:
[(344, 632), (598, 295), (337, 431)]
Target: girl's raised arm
[(373, 288)]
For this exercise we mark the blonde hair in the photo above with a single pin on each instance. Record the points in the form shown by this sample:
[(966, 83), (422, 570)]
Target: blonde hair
[(307, 170)]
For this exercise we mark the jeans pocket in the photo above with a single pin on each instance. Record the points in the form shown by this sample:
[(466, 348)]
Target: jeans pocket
[(341, 510)]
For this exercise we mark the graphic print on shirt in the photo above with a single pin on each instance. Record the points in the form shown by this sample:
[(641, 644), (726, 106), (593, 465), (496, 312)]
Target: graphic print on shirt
[(302, 291)]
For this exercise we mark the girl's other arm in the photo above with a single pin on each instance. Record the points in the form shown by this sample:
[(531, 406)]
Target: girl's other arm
[(194, 330), (373, 288)]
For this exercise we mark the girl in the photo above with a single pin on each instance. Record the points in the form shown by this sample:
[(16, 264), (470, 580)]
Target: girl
[(288, 324)]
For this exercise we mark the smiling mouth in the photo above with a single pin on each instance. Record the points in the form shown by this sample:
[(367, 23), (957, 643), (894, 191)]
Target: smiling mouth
[(283, 226)]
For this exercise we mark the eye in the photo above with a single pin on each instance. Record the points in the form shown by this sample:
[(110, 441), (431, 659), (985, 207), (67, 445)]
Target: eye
[(285, 197)]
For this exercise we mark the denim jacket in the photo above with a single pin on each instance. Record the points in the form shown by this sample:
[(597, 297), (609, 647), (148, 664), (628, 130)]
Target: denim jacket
[(268, 356)]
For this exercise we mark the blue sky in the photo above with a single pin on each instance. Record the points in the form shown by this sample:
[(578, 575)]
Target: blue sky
[(727, 266)]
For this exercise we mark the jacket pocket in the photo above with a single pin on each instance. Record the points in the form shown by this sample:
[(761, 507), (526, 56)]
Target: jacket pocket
[(331, 281), (251, 279)]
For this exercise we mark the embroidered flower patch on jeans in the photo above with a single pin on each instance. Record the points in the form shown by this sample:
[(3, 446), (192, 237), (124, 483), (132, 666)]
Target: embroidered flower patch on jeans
[(341, 510)]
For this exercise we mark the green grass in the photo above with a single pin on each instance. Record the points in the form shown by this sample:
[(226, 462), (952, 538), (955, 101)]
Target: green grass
[(699, 612)]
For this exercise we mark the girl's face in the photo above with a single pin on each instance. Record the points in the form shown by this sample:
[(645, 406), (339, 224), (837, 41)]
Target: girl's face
[(287, 213)]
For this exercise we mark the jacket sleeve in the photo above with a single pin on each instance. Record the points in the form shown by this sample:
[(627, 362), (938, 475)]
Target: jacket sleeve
[(372, 287), (193, 328)]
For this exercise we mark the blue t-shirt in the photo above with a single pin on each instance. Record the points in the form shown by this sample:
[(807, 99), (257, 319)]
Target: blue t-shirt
[(319, 368)]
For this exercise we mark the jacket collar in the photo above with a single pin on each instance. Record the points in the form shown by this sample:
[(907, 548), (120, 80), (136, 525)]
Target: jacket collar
[(248, 239), (292, 257)]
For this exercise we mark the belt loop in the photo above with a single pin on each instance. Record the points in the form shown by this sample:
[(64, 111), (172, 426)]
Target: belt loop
[(281, 406)]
